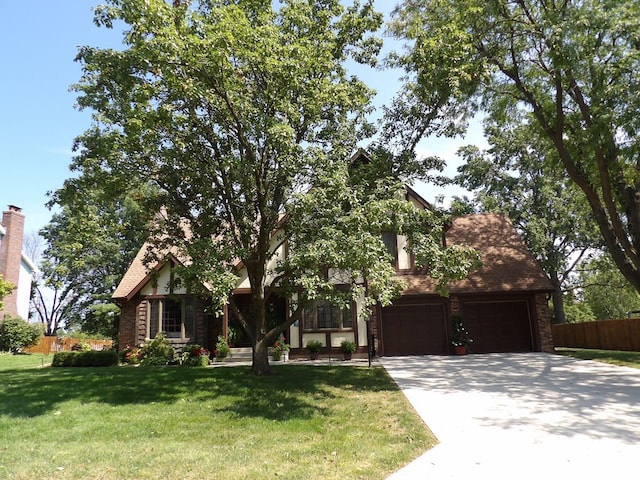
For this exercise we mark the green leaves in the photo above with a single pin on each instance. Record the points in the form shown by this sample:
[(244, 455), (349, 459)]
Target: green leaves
[(5, 289), (562, 70)]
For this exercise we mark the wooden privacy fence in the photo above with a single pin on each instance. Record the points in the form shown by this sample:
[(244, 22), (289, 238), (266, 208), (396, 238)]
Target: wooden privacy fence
[(622, 334), (49, 345)]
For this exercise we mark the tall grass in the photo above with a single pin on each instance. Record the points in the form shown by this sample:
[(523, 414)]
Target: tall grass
[(214, 423)]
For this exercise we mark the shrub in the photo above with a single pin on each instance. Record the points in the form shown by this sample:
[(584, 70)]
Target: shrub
[(314, 346), (154, 361), (159, 349), (80, 347), (222, 348), (195, 355), (130, 355), (347, 346), (16, 334), (91, 358)]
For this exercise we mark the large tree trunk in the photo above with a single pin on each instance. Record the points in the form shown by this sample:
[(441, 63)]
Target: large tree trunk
[(260, 365), (558, 302), (261, 341)]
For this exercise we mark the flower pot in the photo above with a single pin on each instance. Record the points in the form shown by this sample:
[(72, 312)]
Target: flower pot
[(348, 355), (460, 350), (314, 355), (277, 356)]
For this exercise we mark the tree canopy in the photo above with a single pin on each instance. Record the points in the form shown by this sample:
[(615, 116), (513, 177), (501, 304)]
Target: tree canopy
[(605, 292), (237, 114), (565, 69), (90, 243)]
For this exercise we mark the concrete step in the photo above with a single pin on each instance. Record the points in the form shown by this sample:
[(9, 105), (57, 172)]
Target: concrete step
[(240, 354)]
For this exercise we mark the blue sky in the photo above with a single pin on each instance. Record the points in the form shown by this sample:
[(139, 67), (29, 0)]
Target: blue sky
[(39, 40)]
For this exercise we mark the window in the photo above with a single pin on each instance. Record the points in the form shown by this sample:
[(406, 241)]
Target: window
[(389, 240), (176, 318), (322, 315)]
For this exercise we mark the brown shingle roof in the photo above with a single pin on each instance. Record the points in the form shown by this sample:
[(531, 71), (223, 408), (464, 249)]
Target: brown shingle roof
[(507, 264), (134, 276)]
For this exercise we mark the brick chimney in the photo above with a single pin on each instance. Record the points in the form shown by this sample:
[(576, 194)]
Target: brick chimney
[(11, 254)]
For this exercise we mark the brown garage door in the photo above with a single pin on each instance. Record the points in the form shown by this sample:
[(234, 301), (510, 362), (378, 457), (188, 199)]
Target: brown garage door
[(414, 329), (498, 326)]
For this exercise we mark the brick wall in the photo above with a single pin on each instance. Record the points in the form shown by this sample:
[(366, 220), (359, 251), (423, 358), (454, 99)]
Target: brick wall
[(11, 255), (128, 324), (133, 324), (543, 317)]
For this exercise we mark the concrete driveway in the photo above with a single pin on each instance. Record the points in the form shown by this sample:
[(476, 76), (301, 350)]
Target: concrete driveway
[(532, 415)]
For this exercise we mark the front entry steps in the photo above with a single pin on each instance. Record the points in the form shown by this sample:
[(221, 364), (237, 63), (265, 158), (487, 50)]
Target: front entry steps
[(245, 355), (238, 354)]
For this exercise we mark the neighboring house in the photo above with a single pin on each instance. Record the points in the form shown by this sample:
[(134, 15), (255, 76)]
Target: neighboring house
[(15, 266), (504, 303)]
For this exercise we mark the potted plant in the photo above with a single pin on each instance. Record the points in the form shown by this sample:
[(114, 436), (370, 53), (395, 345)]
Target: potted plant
[(348, 347), (314, 347), (460, 338), (281, 349), (222, 348)]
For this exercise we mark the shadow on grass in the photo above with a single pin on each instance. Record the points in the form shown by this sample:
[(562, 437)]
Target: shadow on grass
[(293, 392)]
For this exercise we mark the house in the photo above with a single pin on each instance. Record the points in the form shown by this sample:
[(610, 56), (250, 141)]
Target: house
[(15, 265), (504, 303)]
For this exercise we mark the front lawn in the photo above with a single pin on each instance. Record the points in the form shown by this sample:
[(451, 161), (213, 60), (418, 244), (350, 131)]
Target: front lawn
[(9, 361), (214, 423), (615, 357)]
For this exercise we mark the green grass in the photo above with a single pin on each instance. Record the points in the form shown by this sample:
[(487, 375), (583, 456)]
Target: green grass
[(11, 362), (615, 357), (216, 423)]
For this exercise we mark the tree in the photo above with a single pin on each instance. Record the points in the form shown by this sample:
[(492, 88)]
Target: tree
[(90, 245), (233, 110), (567, 66), (516, 177), (5, 289), (605, 291), (16, 334)]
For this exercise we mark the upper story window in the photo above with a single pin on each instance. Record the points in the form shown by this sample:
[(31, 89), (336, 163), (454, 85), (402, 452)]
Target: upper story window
[(322, 315), (389, 240), (397, 246)]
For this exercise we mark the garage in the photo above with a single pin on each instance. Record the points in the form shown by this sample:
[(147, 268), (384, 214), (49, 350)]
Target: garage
[(503, 326), (414, 328)]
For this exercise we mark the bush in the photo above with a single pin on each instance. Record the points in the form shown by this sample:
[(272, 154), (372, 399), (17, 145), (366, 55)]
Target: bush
[(314, 346), (195, 355), (130, 355), (157, 352), (347, 346), (222, 348), (154, 361), (91, 358), (80, 347), (16, 334)]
